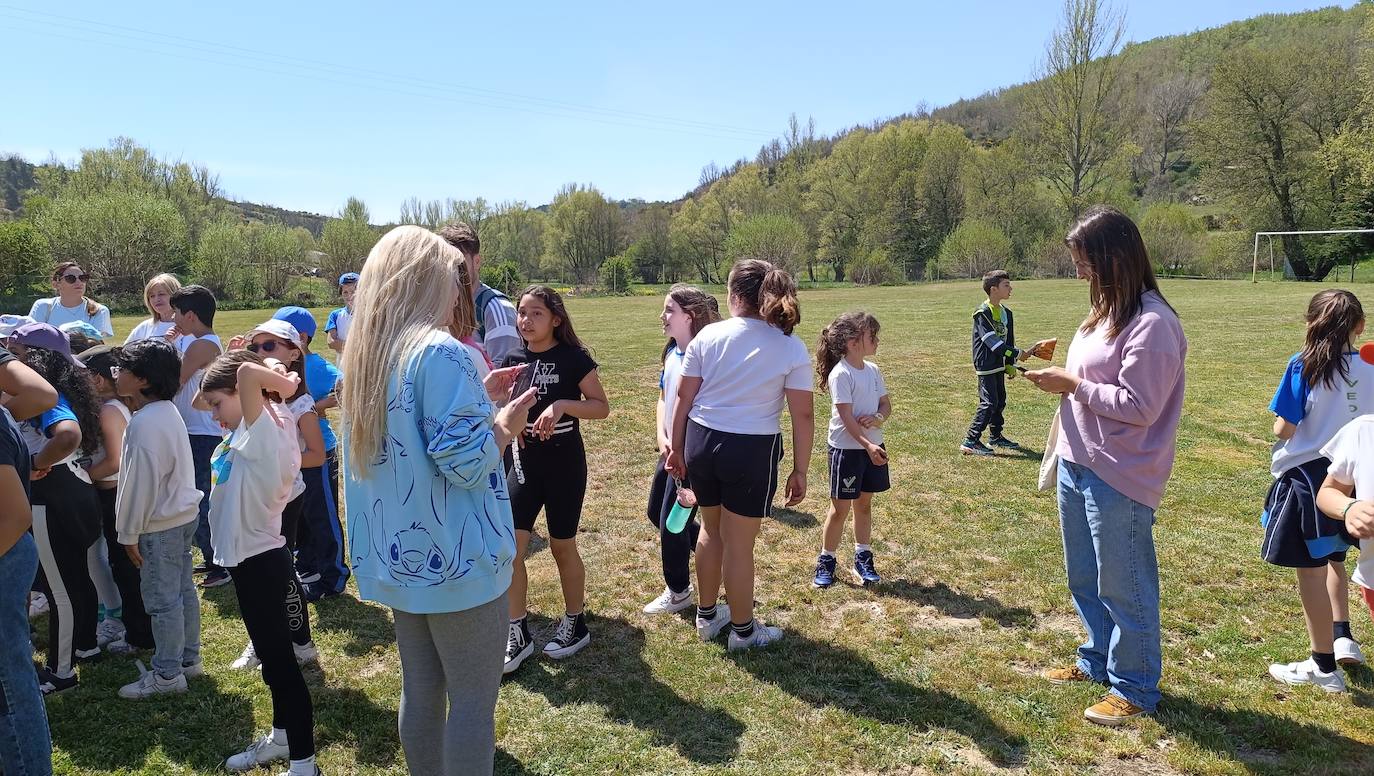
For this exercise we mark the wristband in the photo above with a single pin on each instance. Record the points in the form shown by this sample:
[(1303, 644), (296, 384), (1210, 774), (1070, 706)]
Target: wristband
[(1352, 503)]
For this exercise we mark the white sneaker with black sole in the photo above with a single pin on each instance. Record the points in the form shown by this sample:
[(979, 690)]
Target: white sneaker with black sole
[(519, 646), (247, 660), (1306, 672), (150, 684), (762, 636), (570, 637), (263, 751), (708, 630), (669, 602), (1348, 652), (306, 653)]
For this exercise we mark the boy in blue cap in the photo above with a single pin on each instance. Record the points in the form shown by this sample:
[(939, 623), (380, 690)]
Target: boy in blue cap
[(319, 540), (340, 319)]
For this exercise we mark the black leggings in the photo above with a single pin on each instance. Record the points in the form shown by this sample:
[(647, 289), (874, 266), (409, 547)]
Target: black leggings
[(297, 615), (675, 548), (66, 522), (138, 626), (258, 582)]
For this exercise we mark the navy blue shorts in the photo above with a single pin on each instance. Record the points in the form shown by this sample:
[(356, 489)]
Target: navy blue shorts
[(852, 472), (736, 471), (1296, 533)]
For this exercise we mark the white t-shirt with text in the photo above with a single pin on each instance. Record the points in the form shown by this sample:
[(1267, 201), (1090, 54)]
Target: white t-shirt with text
[(1318, 410), (745, 365), (862, 389)]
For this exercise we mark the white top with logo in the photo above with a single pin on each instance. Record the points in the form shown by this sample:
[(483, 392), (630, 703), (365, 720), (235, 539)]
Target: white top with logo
[(862, 389)]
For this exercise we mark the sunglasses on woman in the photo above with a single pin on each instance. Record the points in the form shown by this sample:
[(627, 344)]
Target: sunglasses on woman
[(76, 278), (269, 346)]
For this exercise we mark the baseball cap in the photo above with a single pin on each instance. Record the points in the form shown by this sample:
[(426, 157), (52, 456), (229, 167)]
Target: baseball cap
[(298, 317), (277, 328), (80, 327), (348, 277), (8, 323), (41, 335)]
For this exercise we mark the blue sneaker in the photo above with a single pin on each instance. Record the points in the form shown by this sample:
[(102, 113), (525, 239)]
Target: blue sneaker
[(825, 571), (863, 568)]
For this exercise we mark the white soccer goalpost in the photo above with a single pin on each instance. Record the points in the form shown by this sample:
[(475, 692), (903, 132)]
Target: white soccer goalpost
[(1254, 265)]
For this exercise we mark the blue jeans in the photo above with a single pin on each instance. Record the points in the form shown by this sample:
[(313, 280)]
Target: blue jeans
[(25, 746), (1109, 554), (202, 447), (169, 595)]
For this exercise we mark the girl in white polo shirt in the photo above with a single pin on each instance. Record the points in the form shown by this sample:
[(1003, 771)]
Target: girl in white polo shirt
[(736, 376)]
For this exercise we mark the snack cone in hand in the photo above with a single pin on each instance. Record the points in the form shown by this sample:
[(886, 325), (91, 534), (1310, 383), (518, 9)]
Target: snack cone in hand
[(1045, 349)]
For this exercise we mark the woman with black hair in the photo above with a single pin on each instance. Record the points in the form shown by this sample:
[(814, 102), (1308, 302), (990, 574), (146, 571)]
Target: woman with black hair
[(66, 513)]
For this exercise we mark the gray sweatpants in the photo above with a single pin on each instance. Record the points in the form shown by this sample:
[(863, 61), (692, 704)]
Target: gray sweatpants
[(456, 658)]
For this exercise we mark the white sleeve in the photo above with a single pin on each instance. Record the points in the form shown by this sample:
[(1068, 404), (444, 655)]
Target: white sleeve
[(841, 387), (1344, 451), (41, 310), (691, 359), (102, 321), (799, 376), (882, 384)]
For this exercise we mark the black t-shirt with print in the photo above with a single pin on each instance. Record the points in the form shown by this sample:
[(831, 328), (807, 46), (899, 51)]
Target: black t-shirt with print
[(13, 451), (558, 372)]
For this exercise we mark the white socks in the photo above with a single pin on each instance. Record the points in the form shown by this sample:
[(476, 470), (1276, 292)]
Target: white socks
[(858, 548), (279, 736), (304, 767), (827, 554)]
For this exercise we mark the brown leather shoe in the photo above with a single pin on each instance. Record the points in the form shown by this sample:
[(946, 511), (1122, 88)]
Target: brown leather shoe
[(1066, 675), (1112, 711)]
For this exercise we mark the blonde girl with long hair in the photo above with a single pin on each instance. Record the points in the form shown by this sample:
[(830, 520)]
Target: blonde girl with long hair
[(157, 297), (429, 517)]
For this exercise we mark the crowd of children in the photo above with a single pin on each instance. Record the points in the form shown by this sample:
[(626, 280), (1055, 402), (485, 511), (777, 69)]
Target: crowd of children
[(128, 457)]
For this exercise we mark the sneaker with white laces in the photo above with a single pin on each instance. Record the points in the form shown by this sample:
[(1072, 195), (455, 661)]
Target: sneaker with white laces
[(38, 605), (519, 645), (150, 684), (247, 660), (306, 653), (762, 636), (570, 637), (108, 631), (669, 602), (1306, 672), (708, 630), (263, 751), (1348, 652)]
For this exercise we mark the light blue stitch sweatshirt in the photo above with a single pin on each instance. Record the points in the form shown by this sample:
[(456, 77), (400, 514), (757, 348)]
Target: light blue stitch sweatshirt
[(429, 522)]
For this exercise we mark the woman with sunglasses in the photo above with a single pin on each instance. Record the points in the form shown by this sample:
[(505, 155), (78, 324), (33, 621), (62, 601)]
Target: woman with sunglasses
[(71, 304)]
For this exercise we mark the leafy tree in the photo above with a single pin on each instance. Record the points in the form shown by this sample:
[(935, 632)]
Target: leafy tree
[(584, 230), (275, 255), (348, 239), (652, 245), (504, 277), (1002, 187), (23, 256), (220, 260), (777, 239), (122, 238), (616, 274), (514, 233), (1173, 235), (972, 249), (874, 269)]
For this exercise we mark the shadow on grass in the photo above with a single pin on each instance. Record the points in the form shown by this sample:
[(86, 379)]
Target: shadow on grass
[(101, 732), (956, 604), (1232, 732), (825, 675), (344, 715), (368, 625), (509, 766), (795, 519), (611, 673)]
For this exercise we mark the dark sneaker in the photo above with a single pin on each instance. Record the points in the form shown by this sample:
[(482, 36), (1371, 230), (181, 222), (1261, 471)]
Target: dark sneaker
[(217, 578), (570, 637), (1004, 443), (974, 447), (200, 568), (519, 646), (863, 568), (50, 682), (825, 571)]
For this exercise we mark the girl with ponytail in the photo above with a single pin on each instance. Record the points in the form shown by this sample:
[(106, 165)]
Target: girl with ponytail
[(736, 376)]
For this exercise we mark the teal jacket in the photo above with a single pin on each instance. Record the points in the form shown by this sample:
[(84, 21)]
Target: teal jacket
[(429, 522)]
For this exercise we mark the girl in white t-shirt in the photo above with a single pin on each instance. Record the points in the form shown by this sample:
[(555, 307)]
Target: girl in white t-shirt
[(252, 474), (858, 461), (157, 296), (71, 304), (1325, 387), (736, 376), (1351, 452), (281, 341), (686, 311)]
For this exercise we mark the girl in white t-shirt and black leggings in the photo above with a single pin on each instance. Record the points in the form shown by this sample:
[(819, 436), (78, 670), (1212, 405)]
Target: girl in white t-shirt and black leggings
[(253, 471), (736, 375)]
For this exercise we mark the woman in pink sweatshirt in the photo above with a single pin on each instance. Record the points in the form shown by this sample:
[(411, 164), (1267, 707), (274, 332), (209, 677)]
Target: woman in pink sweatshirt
[(1118, 421)]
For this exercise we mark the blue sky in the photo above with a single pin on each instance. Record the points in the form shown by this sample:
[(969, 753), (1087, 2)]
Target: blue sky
[(304, 104)]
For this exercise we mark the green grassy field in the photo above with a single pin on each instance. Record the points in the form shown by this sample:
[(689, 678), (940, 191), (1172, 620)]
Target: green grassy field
[(932, 672)]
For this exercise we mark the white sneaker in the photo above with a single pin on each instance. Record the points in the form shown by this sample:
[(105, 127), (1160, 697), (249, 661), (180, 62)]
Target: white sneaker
[(194, 671), (262, 752), (669, 602), (150, 684), (120, 647), (762, 636), (306, 653), (109, 630), (708, 630), (248, 659), (38, 605), (1348, 652), (1306, 672), (314, 772)]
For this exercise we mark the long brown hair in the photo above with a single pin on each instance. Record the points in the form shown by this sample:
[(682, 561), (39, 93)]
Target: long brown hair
[(563, 332), (700, 306), (223, 373), (768, 291), (464, 322), (835, 339), (91, 307), (1332, 317), (1119, 269)]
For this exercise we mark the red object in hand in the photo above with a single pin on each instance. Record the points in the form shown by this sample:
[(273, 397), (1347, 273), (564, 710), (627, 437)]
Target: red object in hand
[(1367, 352)]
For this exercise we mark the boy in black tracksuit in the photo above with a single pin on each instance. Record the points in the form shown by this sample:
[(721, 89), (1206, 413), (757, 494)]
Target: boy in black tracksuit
[(994, 359)]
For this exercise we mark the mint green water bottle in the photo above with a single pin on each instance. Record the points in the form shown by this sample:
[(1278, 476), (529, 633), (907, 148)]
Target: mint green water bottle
[(681, 513)]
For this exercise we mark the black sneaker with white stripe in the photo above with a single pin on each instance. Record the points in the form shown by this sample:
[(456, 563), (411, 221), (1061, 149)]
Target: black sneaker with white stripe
[(570, 637), (50, 682), (519, 645)]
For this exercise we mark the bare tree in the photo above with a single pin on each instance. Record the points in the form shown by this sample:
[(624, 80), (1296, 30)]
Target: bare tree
[(1169, 108)]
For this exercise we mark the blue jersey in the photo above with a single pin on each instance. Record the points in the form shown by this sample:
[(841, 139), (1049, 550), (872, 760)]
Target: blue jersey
[(321, 378)]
